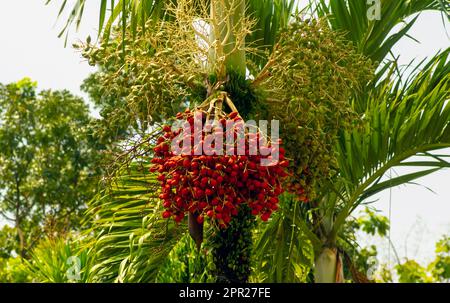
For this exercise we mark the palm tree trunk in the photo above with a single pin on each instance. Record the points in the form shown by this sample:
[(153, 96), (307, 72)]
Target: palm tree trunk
[(328, 267)]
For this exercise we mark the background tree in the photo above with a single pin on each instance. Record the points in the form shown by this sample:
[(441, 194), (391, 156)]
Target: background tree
[(407, 270), (48, 162)]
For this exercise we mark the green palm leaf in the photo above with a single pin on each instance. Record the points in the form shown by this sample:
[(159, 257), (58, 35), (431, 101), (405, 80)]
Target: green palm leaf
[(60, 261), (374, 38), (401, 121), (271, 16), (131, 239), (285, 246)]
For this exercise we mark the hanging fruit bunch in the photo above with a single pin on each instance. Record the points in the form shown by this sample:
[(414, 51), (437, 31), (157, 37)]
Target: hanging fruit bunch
[(214, 185)]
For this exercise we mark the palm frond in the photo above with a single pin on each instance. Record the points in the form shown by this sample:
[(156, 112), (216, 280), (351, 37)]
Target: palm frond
[(271, 17), (284, 247), (132, 240), (373, 36), (134, 12), (402, 120), (60, 261)]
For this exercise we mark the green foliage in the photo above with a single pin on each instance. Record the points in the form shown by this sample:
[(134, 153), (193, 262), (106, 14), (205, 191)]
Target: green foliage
[(411, 272), (436, 271), (115, 123), (13, 270), (131, 240), (373, 224), (408, 271), (186, 264), (59, 260), (374, 37), (48, 161), (440, 267), (283, 252), (272, 16), (8, 243), (129, 12), (402, 120), (362, 258)]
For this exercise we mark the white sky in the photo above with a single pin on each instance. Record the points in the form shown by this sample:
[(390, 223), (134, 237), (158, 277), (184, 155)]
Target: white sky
[(30, 47)]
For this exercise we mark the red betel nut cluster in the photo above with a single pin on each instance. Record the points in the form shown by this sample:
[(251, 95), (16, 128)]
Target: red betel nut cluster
[(216, 185)]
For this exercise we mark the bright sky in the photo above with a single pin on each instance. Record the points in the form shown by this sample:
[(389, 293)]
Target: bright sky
[(30, 47)]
